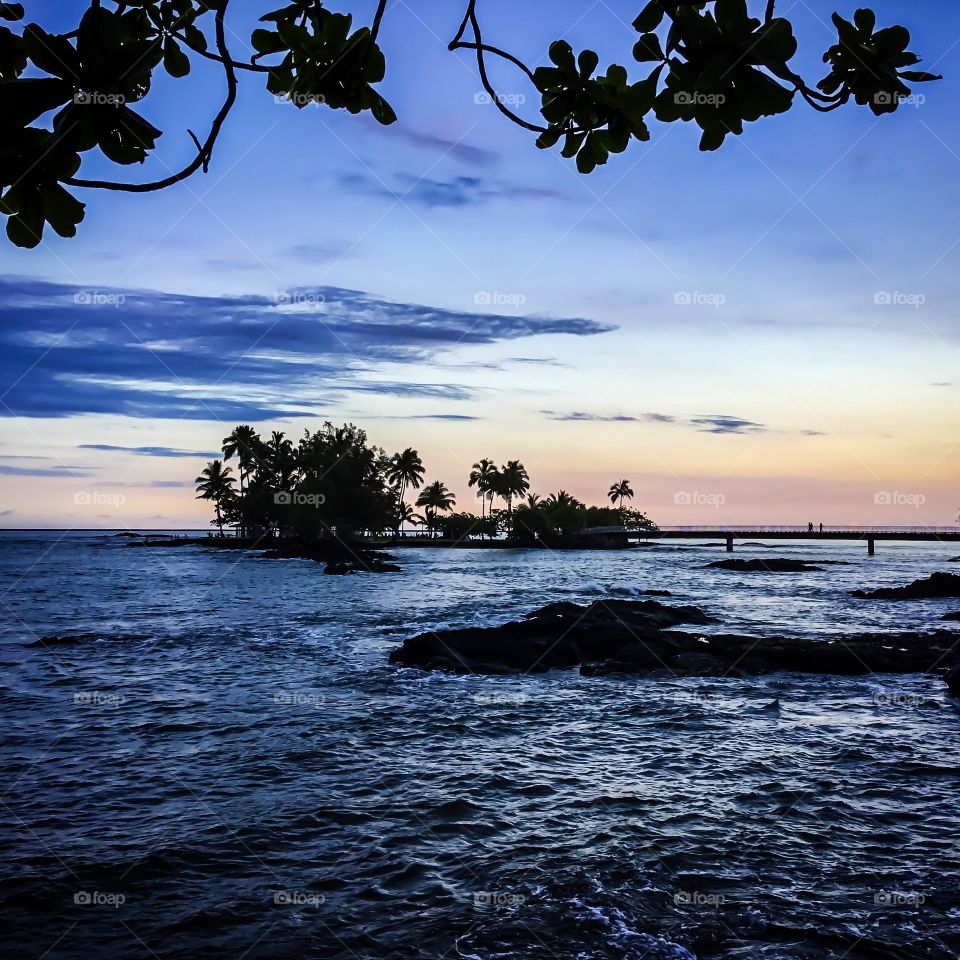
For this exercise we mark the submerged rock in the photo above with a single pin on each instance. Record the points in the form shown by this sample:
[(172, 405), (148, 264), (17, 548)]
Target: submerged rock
[(773, 565), (955, 615), (637, 637), (936, 585)]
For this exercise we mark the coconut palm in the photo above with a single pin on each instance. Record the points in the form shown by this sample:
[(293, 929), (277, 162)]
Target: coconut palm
[(215, 483), (405, 470), (483, 476), (618, 492), (244, 443), (533, 500), (280, 459), (434, 497), (512, 481)]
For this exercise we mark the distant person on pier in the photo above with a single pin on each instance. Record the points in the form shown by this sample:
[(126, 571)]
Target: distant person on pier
[(810, 527)]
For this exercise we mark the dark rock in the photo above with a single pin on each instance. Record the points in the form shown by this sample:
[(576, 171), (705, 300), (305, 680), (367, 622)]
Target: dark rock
[(951, 616), (953, 679), (936, 585), (773, 565), (637, 637), (656, 593), (954, 560)]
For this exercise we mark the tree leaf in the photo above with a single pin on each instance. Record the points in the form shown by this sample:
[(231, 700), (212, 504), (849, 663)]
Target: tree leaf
[(648, 48)]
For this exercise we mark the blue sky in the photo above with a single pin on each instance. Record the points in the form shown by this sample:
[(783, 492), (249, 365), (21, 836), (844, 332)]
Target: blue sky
[(773, 326)]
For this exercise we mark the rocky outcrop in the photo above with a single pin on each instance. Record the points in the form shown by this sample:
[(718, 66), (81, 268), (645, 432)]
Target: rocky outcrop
[(639, 637), (936, 586), (773, 565), (951, 616)]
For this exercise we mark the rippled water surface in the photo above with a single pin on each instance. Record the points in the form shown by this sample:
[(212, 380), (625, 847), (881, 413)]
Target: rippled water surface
[(224, 765)]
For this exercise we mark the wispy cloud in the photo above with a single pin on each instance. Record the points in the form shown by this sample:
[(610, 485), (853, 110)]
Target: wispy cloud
[(438, 146), (455, 192), (703, 423), (65, 351), (148, 451), (8, 470), (722, 423)]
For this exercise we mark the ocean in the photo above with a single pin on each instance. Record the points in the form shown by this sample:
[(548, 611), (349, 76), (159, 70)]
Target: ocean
[(223, 764)]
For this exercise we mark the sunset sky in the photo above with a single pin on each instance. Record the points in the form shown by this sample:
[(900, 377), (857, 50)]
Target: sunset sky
[(765, 334)]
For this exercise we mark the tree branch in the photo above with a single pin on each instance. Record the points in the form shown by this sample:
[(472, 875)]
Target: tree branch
[(202, 160)]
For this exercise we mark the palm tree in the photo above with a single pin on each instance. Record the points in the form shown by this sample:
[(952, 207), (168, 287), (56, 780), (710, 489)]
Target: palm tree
[(434, 497), (533, 500), (512, 481), (245, 443), (215, 483), (483, 476), (281, 459), (561, 499), (405, 470), (620, 490)]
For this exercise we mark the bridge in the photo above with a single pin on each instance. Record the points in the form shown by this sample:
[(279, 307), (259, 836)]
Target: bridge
[(612, 537)]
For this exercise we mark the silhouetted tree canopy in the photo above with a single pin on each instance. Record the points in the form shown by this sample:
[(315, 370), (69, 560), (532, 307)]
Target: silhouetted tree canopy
[(66, 95)]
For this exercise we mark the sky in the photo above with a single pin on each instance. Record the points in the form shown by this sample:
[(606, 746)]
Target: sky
[(766, 334)]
